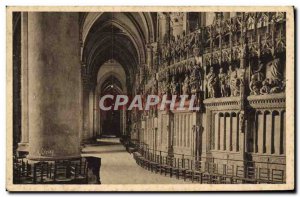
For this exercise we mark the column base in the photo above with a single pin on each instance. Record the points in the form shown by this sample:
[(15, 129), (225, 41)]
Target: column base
[(23, 147), (89, 141)]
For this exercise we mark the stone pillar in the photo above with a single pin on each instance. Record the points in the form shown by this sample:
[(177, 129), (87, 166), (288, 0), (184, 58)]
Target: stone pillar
[(185, 23), (260, 133), (268, 134), (91, 114), (227, 131), (124, 121), (23, 145), (85, 114), (149, 56), (234, 133), (222, 132), (283, 132), (217, 131), (164, 26), (202, 19), (95, 112), (276, 133), (54, 86), (170, 130)]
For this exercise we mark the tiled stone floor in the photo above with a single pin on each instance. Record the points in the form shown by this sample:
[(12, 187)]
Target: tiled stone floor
[(119, 167)]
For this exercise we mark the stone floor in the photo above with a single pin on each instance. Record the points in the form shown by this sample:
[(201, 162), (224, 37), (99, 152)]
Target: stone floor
[(119, 167)]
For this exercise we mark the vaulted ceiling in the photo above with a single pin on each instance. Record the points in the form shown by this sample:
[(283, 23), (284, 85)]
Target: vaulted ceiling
[(121, 36)]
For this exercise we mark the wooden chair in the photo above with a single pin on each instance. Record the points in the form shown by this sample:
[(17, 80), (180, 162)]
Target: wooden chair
[(161, 165), (226, 174), (239, 176), (78, 177), (41, 173), (251, 175), (278, 176), (185, 168), (194, 172), (264, 175), (169, 166), (176, 167), (213, 173)]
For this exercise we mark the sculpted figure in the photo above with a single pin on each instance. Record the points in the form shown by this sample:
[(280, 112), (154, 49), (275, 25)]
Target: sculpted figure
[(163, 88), (186, 85), (254, 85), (212, 80), (196, 72), (160, 90), (275, 77), (276, 85), (223, 83), (233, 81), (256, 80), (273, 73), (175, 87), (265, 87)]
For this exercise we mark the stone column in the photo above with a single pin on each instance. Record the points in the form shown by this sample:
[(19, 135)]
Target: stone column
[(85, 114), (222, 132), (283, 132), (268, 134), (95, 112), (234, 133), (164, 27), (227, 132), (260, 132), (54, 86), (185, 23), (149, 56), (202, 19), (124, 121), (23, 145), (91, 114), (217, 131)]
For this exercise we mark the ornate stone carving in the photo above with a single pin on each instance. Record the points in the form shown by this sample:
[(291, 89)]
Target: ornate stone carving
[(223, 80), (265, 89), (212, 81), (186, 85), (233, 81), (242, 122), (272, 83), (175, 87), (256, 83)]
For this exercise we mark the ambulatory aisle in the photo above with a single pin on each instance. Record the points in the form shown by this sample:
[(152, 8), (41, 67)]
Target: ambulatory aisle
[(119, 167)]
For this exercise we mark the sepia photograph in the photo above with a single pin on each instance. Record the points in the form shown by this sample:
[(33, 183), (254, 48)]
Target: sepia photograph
[(150, 98)]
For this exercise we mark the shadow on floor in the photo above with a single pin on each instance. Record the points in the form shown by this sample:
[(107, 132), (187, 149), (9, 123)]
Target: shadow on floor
[(103, 151), (105, 142)]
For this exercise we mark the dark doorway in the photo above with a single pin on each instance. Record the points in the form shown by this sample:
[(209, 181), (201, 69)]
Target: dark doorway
[(111, 119), (111, 123)]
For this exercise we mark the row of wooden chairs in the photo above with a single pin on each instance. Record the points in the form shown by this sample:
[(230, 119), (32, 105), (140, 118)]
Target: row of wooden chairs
[(52, 172), (208, 171)]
